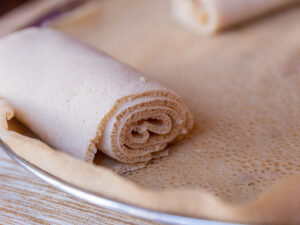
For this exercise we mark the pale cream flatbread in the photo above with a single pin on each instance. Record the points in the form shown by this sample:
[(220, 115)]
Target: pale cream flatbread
[(79, 100), (240, 85)]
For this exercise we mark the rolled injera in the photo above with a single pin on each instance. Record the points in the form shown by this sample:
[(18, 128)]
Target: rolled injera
[(209, 16), (78, 100)]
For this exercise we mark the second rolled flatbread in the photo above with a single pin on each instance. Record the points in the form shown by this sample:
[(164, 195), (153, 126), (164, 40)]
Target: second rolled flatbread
[(210, 16)]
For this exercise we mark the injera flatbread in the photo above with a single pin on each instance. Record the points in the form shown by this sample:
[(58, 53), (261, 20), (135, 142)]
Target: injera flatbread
[(210, 16), (78, 99), (242, 87)]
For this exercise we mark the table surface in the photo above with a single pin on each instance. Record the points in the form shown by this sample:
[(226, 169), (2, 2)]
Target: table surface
[(25, 199)]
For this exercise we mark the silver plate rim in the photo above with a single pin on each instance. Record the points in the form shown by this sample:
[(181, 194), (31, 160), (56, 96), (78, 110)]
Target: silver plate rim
[(104, 202)]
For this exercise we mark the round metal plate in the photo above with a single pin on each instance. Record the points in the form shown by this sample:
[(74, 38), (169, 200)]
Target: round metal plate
[(102, 201)]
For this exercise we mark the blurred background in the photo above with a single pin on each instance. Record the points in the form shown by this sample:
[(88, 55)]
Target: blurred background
[(17, 14), (6, 6)]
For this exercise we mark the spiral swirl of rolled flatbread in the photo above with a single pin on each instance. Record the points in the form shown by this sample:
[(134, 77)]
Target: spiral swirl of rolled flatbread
[(144, 124), (79, 100)]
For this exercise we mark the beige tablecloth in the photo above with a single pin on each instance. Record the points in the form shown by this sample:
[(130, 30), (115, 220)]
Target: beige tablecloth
[(25, 199)]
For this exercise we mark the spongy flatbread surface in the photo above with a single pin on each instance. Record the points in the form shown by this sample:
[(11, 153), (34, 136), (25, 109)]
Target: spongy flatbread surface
[(242, 87)]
